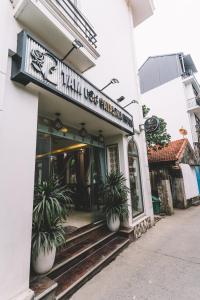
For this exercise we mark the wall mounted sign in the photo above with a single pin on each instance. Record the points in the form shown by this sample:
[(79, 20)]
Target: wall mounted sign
[(34, 63), (151, 124)]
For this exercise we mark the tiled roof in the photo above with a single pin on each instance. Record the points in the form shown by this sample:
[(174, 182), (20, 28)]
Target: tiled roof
[(171, 152)]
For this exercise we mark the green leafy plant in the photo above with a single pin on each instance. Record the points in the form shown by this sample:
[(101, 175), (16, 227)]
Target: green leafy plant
[(115, 195), (52, 205)]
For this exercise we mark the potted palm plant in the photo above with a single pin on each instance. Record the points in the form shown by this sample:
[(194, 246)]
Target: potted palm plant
[(115, 195), (52, 204)]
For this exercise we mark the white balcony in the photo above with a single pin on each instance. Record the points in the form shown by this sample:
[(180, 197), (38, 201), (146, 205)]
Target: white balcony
[(58, 23), (193, 104)]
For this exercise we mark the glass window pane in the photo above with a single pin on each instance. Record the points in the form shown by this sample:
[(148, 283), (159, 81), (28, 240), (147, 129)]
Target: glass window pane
[(113, 158), (132, 148), (135, 180), (43, 149)]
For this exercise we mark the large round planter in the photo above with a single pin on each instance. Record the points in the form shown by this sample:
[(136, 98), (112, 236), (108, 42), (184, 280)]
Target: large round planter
[(113, 223), (44, 261)]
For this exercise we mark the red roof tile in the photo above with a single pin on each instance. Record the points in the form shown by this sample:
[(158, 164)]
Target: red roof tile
[(171, 152)]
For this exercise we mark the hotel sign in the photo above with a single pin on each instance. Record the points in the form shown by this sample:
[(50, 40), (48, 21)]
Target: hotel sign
[(151, 124), (34, 63)]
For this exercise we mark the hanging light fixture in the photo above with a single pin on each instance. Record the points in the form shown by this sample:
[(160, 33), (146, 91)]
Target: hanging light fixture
[(112, 81), (101, 137), (58, 125), (83, 131), (133, 101), (75, 45)]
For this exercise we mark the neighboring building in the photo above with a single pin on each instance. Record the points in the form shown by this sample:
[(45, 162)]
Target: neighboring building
[(172, 174), (45, 48), (169, 88)]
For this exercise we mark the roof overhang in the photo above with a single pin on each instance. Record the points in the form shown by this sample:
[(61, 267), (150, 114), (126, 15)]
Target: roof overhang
[(141, 10)]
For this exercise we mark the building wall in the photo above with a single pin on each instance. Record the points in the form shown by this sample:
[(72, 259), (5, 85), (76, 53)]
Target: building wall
[(168, 101), (18, 124), (190, 100), (113, 23), (190, 181), (18, 127), (117, 60), (159, 70)]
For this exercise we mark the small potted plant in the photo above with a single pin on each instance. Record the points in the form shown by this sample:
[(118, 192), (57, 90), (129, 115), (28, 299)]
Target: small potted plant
[(52, 204), (115, 194)]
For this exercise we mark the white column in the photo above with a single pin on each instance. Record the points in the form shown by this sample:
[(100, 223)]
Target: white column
[(18, 128)]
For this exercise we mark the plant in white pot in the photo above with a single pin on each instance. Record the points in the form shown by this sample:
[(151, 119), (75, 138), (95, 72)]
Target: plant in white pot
[(115, 195), (52, 204)]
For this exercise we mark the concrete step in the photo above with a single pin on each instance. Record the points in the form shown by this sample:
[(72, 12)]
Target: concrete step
[(44, 288), (85, 253), (82, 233), (80, 248), (73, 278)]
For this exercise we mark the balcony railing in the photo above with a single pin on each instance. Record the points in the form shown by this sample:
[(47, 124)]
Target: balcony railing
[(78, 20)]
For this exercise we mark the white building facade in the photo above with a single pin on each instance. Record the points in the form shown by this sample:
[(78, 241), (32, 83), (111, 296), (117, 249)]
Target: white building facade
[(169, 88), (53, 65)]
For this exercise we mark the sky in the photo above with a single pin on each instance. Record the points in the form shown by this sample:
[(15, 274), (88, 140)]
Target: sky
[(174, 27)]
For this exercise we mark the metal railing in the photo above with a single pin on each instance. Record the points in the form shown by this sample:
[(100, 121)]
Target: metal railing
[(78, 20)]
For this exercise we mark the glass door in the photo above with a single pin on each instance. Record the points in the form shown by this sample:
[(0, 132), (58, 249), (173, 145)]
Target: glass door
[(81, 167)]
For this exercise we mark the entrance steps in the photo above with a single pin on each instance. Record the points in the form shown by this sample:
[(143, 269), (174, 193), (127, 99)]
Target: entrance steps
[(86, 252)]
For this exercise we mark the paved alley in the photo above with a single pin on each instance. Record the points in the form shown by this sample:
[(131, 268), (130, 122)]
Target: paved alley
[(164, 264)]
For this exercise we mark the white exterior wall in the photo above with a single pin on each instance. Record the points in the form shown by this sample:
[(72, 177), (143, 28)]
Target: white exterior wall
[(117, 60), (18, 125), (169, 102), (112, 21), (190, 181)]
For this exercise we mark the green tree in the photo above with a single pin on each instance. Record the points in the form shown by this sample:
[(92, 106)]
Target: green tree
[(160, 137)]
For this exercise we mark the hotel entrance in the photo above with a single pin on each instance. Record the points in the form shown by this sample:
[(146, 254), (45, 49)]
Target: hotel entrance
[(80, 167)]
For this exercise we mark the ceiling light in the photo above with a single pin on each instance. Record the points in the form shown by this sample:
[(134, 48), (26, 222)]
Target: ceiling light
[(101, 137), (83, 131), (64, 129), (58, 125)]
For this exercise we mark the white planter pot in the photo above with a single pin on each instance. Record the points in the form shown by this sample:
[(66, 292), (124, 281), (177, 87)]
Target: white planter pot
[(44, 262), (113, 223)]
